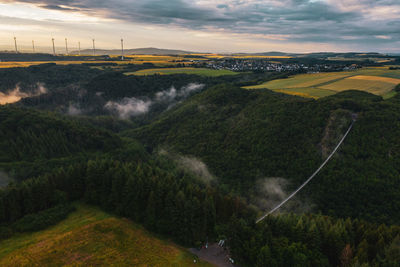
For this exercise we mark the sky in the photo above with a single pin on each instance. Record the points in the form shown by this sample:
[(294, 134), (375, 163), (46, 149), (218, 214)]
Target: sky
[(204, 25)]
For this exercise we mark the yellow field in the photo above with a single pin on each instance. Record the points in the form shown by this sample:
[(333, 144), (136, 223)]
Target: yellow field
[(302, 80), (31, 63), (90, 237), (156, 61), (379, 81), (196, 71), (375, 78), (371, 84)]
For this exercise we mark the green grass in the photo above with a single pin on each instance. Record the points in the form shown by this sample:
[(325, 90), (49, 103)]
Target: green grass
[(90, 237), (197, 71), (389, 94), (377, 87), (380, 81)]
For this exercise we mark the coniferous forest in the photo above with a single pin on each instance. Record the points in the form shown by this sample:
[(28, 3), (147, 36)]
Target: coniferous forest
[(134, 145)]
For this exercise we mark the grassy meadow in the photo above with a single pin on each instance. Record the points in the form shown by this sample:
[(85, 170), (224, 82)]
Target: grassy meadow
[(90, 237), (197, 71), (379, 81)]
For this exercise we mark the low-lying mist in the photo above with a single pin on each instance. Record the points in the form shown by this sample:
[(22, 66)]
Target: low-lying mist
[(134, 106), (4, 179), (272, 191), (129, 107), (191, 164), (16, 94)]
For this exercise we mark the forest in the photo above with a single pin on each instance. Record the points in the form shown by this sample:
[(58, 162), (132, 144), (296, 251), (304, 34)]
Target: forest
[(246, 139)]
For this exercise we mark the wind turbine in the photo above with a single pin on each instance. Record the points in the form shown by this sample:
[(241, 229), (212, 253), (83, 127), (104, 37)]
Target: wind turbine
[(66, 46), (94, 48), (122, 49), (54, 48), (33, 46), (15, 44), (79, 48)]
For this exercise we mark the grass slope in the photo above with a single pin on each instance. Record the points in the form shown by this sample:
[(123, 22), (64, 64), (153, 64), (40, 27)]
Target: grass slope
[(378, 81), (197, 71), (90, 237)]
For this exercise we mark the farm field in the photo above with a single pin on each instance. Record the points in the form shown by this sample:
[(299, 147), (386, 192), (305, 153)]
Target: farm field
[(156, 60), (16, 64), (380, 81), (90, 237), (197, 71)]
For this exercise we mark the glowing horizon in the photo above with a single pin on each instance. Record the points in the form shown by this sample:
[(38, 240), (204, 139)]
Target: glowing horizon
[(204, 25)]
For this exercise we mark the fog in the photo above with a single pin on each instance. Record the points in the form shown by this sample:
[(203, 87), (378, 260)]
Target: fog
[(272, 191), (135, 106), (16, 94), (129, 107), (4, 179), (191, 164), (74, 110)]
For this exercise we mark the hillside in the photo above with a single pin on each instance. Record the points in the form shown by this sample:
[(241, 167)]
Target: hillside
[(91, 237), (251, 139), (34, 142), (187, 196), (27, 134), (137, 51), (379, 81)]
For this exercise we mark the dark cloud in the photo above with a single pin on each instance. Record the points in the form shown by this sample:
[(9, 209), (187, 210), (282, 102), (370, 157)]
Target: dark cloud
[(327, 21), (56, 7)]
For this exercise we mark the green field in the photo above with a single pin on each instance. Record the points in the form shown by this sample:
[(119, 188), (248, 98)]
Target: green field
[(379, 81), (197, 71), (90, 237)]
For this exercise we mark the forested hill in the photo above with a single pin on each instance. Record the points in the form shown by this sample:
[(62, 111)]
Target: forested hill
[(49, 75), (28, 135), (246, 137)]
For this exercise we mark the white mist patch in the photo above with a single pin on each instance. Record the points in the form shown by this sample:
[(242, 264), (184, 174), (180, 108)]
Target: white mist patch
[(197, 167), (132, 106), (4, 179), (270, 192), (74, 110), (191, 164), (129, 107), (167, 95), (16, 95), (12, 96), (190, 88), (172, 93), (41, 89)]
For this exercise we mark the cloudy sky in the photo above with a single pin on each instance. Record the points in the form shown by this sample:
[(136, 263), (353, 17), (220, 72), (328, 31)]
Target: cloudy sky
[(205, 25)]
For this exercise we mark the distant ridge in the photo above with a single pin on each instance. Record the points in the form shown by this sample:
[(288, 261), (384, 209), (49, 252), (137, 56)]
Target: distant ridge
[(136, 51)]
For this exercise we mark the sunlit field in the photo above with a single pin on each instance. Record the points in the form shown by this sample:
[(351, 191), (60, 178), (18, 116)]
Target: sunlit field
[(196, 71), (90, 237), (16, 64), (379, 81)]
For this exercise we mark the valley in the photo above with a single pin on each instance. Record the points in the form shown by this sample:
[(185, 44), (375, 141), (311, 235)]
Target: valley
[(161, 159)]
